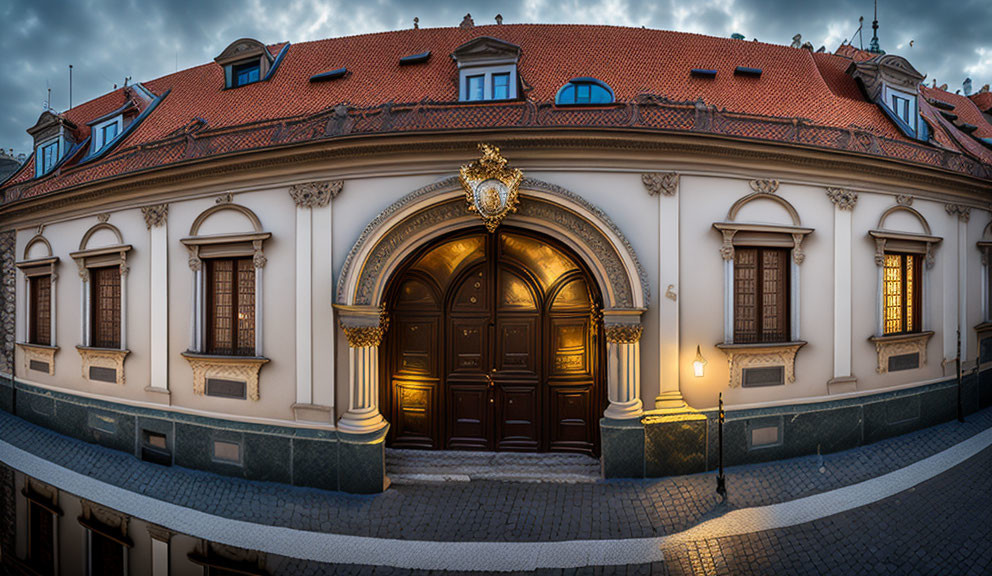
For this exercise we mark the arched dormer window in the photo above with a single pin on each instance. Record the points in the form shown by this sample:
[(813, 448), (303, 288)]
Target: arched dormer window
[(226, 258), (762, 252), (54, 139), (584, 91), (247, 61), (103, 269), (892, 83)]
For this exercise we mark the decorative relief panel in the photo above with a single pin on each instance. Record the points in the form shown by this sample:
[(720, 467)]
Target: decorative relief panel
[(623, 333), (243, 369), (743, 356), (888, 346), (103, 358), (155, 215), (34, 353), (764, 186)]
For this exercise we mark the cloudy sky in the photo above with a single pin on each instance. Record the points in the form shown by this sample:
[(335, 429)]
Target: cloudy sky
[(109, 40)]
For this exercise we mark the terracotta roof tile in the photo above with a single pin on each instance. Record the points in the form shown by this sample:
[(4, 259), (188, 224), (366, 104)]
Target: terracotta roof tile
[(983, 100), (795, 84)]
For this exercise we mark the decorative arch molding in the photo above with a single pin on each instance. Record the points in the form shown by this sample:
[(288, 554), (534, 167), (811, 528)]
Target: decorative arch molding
[(84, 243), (36, 239), (737, 206), (224, 204), (904, 208), (439, 208)]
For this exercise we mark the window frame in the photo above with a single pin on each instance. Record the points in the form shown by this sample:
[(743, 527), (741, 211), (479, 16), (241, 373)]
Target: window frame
[(35, 283), (916, 297), (912, 108), (488, 91), (96, 310), (248, 65), (591, 83), (759, 292), (211, 317), (97, 133), (41, 167)]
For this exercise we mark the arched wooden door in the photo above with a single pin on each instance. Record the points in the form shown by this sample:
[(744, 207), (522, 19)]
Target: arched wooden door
[(494, 345)]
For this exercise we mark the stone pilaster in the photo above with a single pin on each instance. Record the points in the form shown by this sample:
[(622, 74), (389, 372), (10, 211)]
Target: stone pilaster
[(623, 350), (8, 280), (364, 326)]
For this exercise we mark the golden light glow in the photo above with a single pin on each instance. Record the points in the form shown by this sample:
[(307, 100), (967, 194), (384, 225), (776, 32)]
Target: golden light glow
[(698, 363), (897, 292)]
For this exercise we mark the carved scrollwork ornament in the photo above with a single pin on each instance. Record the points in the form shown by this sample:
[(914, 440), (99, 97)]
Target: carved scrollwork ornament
[(663, 183), (258, 257), (879, 252), (315, 194), (843, 198), (195, 264), (624, 333), (224, 198), (124, 268), (103, 218), (84, 272), (797, 251), (930, 257), (727, 249), (764, 186), (904, 200), (491, 189)]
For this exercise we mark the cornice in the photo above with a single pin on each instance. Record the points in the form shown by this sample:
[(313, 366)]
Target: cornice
[(627, 143)]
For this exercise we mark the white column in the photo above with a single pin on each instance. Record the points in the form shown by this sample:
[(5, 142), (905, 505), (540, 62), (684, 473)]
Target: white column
[(949, 256), (728, 300), (666, 187), (844, 202), (985, 284), (879, 297), (304, 296), (25, 323), (158, 314), (259, 310), (87, 308), (160, 550), (794, 300), (364, 326), (54, 316), (123, 271), (962, 283), (623, 365)]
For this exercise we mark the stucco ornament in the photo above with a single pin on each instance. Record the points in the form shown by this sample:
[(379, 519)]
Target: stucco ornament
[(491, 188), (664, 183), (315, 194), (843, 198)]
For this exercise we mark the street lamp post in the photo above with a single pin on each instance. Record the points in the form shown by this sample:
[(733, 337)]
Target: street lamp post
[(721, 485)]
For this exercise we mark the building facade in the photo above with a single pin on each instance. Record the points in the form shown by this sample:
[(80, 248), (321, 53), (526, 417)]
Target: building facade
[(276, 265)]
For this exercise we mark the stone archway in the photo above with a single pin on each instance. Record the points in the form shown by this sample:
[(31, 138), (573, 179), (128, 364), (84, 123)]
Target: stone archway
[(439, 209)]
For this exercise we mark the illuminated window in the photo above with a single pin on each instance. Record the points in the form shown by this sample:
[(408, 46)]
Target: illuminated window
[(901, 293)]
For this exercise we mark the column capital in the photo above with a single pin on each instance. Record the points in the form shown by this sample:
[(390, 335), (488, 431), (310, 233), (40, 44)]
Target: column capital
[(155, 215), (623, 325), (315, 194), (843, 198), (364, 326), (962, 212), (663, 183)]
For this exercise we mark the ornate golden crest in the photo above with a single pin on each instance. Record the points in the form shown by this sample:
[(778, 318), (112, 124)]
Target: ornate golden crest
[(491, 187)]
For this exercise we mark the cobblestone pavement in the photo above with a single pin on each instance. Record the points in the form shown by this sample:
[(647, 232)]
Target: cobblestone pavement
[(941, 526), (488, 510)]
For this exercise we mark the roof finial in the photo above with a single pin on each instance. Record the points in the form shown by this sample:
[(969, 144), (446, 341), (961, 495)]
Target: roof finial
[(467, 22), (416, 23), (797, 40), (499, 19), (873, 46)]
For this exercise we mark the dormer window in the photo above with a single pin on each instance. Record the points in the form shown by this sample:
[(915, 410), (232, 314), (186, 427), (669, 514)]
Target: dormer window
[(105, 132), (48, 156), (487, 70), (892, 83), (584, 91), (53, 138), (245, 73), (247, 61)]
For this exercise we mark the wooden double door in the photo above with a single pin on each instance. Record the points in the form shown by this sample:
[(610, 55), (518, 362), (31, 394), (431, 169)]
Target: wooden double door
[(494, 345)]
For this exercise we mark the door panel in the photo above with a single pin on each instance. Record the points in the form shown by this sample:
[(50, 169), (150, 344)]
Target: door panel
[(493, 348)]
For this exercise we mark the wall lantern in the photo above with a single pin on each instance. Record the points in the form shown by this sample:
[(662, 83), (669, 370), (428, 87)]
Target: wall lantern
[(698, 363)]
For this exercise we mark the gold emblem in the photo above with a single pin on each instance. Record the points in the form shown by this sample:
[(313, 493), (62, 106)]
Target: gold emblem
[(491, 187)]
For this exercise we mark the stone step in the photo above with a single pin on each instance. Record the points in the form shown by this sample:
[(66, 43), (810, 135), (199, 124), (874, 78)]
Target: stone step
[(436, 466)]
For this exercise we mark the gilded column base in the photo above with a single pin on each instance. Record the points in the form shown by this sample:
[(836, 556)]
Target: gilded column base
[(670, 401)]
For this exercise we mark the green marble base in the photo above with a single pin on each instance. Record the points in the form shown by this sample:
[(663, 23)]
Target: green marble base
[(362, 462), (623, 448), (674, 443)]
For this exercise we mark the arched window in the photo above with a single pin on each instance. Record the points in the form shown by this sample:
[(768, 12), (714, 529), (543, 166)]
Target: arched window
[(584, 91)]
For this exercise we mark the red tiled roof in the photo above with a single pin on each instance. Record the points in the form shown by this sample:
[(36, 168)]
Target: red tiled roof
[(983, 100), (848, 51), (795, 84)]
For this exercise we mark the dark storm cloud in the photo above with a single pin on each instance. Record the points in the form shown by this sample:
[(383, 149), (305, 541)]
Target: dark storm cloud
[(106, 41)]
